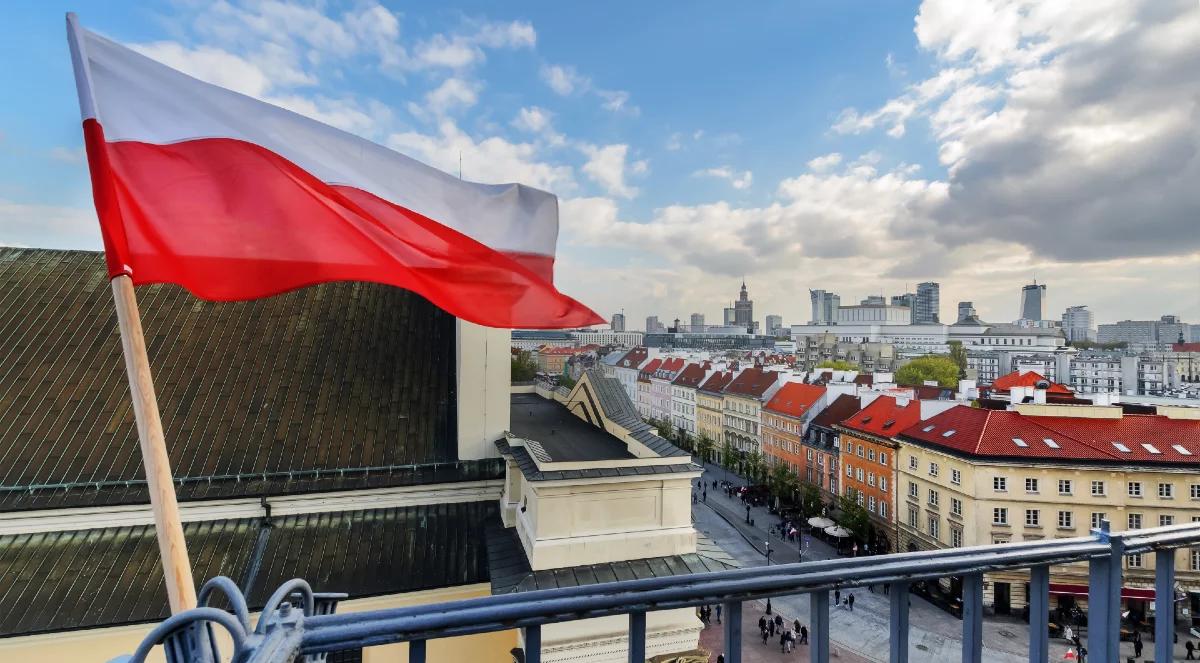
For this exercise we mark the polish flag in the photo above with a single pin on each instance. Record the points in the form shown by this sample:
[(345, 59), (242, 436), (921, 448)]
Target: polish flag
[(234, 198)]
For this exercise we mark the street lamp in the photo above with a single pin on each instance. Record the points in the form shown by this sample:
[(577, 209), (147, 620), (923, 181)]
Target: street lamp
[(768, 542)]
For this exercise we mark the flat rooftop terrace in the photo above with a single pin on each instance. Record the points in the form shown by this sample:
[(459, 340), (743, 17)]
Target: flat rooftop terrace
[(564, 436)]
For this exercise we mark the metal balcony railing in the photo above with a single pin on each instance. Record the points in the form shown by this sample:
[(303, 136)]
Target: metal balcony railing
[(284, 632)]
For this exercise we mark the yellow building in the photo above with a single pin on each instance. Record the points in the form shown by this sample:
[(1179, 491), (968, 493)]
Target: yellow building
[(971, 476), (710, 405), (743, 403)]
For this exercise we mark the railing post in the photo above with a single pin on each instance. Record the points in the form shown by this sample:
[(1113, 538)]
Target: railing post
[(819, 637), (972, 640), (637, 637), (1104, 600), (899, 622), (1039, 613), (416, 651), (733, 632), (1164, 605), (533, 644)]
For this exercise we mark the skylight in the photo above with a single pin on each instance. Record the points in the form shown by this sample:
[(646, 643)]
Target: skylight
[(927, 428), (949, 433), (866, 420), (1151, 448), (888, 423), (1181, 450), (1020, 443), (1121, 447), (1051, 443)]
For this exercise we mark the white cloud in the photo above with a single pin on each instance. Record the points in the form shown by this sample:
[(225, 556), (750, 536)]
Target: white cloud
[(490, 160), (674, 142), (564, 80), (459, 51), (453, 94), (617, 101), (48, 226), (606, 166), (824, 163), (738, 180), (532, 119)]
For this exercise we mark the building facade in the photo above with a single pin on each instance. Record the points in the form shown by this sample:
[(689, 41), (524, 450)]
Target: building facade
[(710, 408), (774, 324), (618, 322), (928, 304), (742, 408), (683, 399), (605, 337), (786, 418), (824, 307), (743, 310), (1079, 324), (627, 369), (1033, 297), (660, 387)]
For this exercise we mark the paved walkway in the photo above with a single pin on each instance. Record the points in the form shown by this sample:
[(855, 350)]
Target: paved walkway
[(753, 650)]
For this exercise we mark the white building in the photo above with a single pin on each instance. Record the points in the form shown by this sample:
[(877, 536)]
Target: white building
[(1094, 373), (683, 397), (774, 324), (874, 314), (924, 339), (1141, 335), (626, 370), (1079, 324), (624, 339)]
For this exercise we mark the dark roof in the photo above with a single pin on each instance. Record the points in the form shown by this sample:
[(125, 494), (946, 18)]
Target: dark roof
[(634, 358), (691, 376), (104, 577), (541, 335), (331, 377), (838, 411), (753, 382), (564, 436), (510, 570), (614, 401), (717, 382)]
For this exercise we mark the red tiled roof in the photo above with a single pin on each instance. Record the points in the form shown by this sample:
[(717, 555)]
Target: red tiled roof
[(842, 407), (885, 417), (690, 376), (752, 382), (1186, 347), (672, 365), (633, 358), (546, 350), (717, 382), (1147, 438), (795, 398), (648, 369), (1028, 379)]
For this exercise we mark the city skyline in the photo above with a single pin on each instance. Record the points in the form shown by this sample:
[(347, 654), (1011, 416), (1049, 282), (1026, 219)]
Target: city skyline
[(911, 147)]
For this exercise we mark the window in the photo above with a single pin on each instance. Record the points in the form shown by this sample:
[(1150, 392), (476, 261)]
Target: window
[(934, 523), (1134, 560), (1135, 521), (871, 479), (871, 504), (1098, 488), (859, 473), (912, 462), (1195, 491), (999, 484), (883, 509), (1031, 485), (956, 506), (1033, 518), (933, 497), (933, 469), (810, 455), (860, 451), (912, 489), (912, 517), (883, 458), (1064, 487), (999, 516), (1195, 556), (1166, 521), (1066, 519), (1135, 488), (1097, 519), (849, 471), (1166, 490), (883, 484), (871, 455), (956, 540), (955, 477)]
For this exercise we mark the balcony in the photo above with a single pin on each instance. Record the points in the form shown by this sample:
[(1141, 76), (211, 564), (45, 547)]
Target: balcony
[(298, 622)]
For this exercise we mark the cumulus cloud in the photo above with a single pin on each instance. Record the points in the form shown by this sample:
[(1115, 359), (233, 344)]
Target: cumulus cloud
[(738, 180), (825, 162), (565, 81), (48, 226), (606, 165), (452, 95)]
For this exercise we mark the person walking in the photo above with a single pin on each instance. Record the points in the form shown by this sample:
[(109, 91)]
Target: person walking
[(778, 622), (762, 623), (771, 624), (837, 597), (783, 643), (1191, 651), (850, 601), (796, 626), (718, 613), (803, 634), (1137, 647)]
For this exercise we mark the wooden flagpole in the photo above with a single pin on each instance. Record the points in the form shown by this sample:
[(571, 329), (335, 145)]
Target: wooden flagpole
[(172, 548)]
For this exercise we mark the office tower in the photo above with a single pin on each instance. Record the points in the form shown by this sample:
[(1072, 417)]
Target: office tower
[(727, 319), (907, 299), (1032, 298), (618, 322), (1079, 324), (774, 324), (697, 322), (929, 304), (653, 325), (824, 307), (966, 310)]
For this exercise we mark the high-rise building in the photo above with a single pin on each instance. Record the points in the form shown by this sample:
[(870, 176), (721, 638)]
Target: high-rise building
[(907, 299), (727, 318), (966, 311), (1079, 324), (653, 326), (824, 307), (1032, 298), (929, 304), (774, 324), (697, 322), (1142, 335), (618, 322), (743, 309)]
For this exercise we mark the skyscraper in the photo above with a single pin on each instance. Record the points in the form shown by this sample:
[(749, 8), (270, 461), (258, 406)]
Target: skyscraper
[(966, 310), (743, 309), (618, 322), (697, 322), (653, 325), (929, 304), (824, 307), (1032, 298), (774, 324), (1079, 324), (727, 318)]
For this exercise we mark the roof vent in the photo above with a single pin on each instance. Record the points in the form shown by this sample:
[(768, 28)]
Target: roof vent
[(949, 433), (1051, 443), (1020, 443), (1151, 448), (1121, 447), (866, 420)]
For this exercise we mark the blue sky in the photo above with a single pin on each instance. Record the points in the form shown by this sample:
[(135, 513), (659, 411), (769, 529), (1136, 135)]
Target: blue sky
[(853, 146)]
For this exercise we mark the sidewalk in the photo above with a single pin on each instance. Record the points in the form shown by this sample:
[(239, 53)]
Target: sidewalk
[(754, 651)]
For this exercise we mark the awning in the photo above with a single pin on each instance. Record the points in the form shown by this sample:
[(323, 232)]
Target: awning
[(1135, 593)]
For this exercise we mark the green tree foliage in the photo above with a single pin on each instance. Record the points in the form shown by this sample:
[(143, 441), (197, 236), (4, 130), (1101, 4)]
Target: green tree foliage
[(665, 429), (524, 368), (755, 466), (727, 459), (810, 498), (784, 482), (838, 365), (1093, 345), (933, 367), (853, 516), (958, 354), (704, 447)]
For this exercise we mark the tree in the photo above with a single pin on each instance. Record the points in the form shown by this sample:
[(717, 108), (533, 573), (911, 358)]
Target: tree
[(838, 365), (754, 466), (524, 368), (853, 516), (783, 482), (727, 455), (958, 354), (704, 447), (933, 367), (810, 498), (665, 429)]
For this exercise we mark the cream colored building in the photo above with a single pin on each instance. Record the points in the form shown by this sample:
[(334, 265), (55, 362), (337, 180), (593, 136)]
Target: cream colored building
[(710, 409), (971, 477), (742, 408)]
